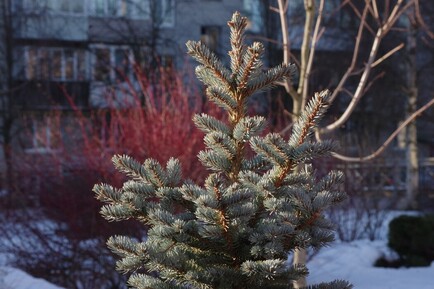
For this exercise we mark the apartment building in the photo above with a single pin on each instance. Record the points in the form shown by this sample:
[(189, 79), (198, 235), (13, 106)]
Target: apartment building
[(82, 48)]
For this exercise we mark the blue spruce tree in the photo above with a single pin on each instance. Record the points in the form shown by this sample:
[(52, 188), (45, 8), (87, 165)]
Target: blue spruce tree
[(237, 230)]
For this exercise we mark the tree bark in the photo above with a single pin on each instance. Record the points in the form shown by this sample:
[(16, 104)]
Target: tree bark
[(412, 163), (6, 108), (300, 254)]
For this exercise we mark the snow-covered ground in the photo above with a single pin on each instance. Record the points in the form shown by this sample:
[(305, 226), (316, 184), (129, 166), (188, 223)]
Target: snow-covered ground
[(11, 278), (354, 262), (348, 261)]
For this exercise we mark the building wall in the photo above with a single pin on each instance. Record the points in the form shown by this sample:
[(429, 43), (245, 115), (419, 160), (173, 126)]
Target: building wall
[(52, 32), (58, 44)]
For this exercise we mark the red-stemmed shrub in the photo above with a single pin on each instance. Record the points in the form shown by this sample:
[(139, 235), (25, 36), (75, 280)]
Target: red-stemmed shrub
[(150, 116)]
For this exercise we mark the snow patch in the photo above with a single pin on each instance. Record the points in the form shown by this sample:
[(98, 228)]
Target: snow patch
[(11, 278), (354, 262)]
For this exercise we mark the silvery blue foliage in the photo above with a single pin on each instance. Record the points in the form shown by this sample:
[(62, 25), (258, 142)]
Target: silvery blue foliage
[(237, 229)]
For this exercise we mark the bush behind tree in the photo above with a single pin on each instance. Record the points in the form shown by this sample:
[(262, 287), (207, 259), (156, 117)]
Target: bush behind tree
[(412, 237), (54, 207)]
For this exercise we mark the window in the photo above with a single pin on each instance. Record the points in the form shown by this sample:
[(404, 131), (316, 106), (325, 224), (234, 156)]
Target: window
[(44, 64), (32, 63), (63, 6), (99, 7), (32, 5), (112, 8), (57, 64), (101, 66), (68, 65), (122, 64), (62, 64), (111, 63), (44, 134), (80, 66), (210, 36), (76, 6), (165, 12), (17, 5), (122, 8), (162, 11), (137, 8), (254, 11)]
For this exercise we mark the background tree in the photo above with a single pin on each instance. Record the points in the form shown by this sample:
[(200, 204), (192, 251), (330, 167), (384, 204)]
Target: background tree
[(375, 22), (8, 89), (369, 17)]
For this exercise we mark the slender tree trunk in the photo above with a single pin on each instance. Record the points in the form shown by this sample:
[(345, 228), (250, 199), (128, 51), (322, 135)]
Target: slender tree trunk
[(412, 163), (300, 254), (7, 117)]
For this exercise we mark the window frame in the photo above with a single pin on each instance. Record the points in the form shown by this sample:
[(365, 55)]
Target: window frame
[(112, 62), (34, 71), (54, 7), (42, 139), (124, 10), (254, 10)]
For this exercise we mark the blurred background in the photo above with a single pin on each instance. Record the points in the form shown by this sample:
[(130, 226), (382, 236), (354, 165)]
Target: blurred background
[(83, 80)]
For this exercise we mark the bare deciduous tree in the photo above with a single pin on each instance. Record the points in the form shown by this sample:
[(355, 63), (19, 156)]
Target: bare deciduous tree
[(375, 21)]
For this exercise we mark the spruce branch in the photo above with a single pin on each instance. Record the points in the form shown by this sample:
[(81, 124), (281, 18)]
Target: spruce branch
[(221, 143), (309, 118), (129, 166), (338, 284), (269, 78), (207, 124), (271, 153), (144, 190), (209, 60), (237, 27), (235, 230), (251, 65), (222, 99), (173, 172), (130, 251), (304, 126), (106, 193), (255, 164), (208, 77), (155, 173), (117, 212)]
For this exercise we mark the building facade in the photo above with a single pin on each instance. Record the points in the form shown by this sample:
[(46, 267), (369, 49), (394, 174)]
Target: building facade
[(83, 48)]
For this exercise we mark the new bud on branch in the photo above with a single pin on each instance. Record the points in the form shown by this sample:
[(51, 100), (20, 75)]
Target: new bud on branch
[(237, 230)]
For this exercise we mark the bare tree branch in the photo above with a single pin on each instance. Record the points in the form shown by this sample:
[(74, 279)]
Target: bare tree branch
[(315, 38), (388, 54), (421, 22), (387, 142), (350, 69), (283, 7), (309, 7), (381, 32), (361, 16)]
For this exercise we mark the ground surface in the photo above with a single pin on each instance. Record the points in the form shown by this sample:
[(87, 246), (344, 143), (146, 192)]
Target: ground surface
[(353, 262), (348, 261)]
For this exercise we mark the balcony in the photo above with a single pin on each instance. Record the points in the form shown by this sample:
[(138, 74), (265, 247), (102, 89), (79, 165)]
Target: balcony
[(46, 95)]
